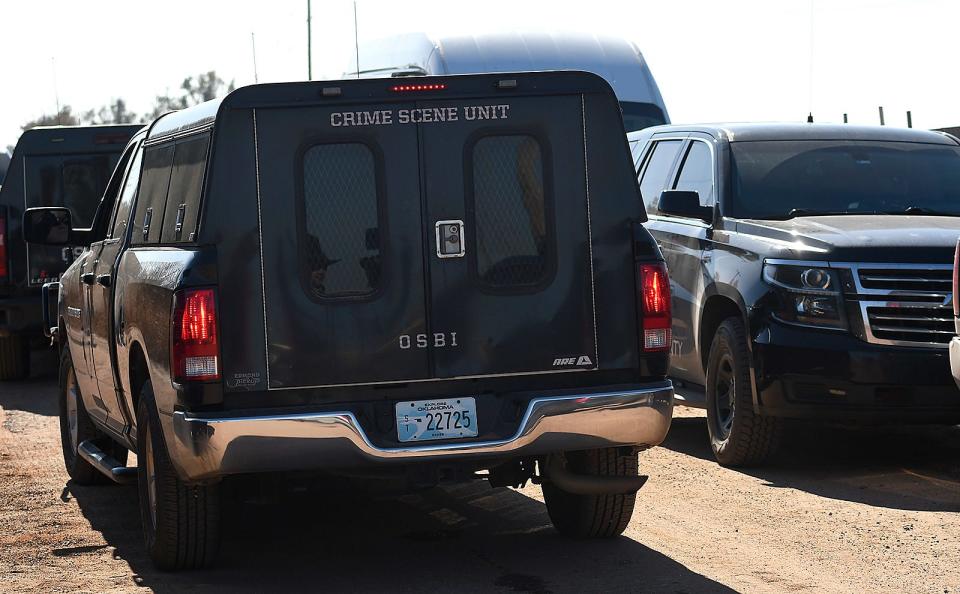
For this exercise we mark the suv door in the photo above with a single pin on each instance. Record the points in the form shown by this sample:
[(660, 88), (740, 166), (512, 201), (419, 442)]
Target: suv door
[(102, 262), (511, 179), (683, 242)]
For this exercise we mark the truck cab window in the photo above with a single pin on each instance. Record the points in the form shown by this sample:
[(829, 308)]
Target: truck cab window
[(696, 173), (659, 164)]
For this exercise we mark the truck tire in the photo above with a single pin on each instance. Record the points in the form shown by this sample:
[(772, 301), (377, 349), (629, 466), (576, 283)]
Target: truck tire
[(593, 516), (76, 427), (738, 435), (14, 358), (181, 523)]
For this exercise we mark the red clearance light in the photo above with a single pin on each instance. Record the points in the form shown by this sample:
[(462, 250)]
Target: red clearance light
[(425, 87), (195, 351), (654, 296), (3, 247)]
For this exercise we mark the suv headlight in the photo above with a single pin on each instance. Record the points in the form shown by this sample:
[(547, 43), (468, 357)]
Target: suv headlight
[(808, 295)]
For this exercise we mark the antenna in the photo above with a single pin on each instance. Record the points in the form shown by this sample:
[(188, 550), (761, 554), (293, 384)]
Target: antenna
[(882, 122), (356, 37), (810, 73), (253, 45), (309, 46), (56, 93), (909, 119)]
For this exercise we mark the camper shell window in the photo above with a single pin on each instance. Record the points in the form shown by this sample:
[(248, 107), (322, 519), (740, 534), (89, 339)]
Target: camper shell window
[(510, 210), (74, 181), (340, 221)]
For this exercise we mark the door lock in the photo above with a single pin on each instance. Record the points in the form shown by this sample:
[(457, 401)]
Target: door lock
[(450, 240)]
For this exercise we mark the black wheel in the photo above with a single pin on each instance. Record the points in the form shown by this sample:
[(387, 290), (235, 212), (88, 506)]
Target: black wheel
[(738, 436), (593, 516), (14, 358), (76, 427), (181, 522)]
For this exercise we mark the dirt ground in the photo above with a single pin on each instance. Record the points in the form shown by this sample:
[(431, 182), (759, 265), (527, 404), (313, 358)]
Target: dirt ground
[(842, 510)]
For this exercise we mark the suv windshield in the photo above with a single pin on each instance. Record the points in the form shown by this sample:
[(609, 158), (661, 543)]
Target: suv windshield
[(637, 116), (783, 179)]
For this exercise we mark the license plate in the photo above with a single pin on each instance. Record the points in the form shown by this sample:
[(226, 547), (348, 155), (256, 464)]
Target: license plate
[(426, 420)]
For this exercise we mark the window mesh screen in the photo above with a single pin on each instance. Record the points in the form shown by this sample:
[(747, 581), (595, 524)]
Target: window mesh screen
[(340, 246), (509, 210)]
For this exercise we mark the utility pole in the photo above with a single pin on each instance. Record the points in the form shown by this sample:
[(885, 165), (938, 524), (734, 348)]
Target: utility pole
[(253, 45), (356, 38), (309, 45)]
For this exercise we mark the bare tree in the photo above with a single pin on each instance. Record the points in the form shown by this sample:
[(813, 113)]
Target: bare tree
[(196, 89), (64, 118), (115, 113)]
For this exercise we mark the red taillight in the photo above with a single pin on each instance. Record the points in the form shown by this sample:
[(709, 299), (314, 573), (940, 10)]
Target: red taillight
[(414, 88), (3, 247), (194, 350), (956, 280), (654, 296)]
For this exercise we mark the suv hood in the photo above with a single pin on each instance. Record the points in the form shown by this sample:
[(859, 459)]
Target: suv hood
[(876, 238)]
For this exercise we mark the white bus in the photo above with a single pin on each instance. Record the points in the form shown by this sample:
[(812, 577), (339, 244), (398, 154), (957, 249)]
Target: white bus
[(617, 60)]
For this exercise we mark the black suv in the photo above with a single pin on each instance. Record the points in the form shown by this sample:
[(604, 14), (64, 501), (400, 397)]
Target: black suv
[(414, 280), (810, 271), (59, 166)]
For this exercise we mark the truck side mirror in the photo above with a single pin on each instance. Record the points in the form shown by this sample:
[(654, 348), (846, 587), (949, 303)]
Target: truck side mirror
[(47, 225), (684, 203)]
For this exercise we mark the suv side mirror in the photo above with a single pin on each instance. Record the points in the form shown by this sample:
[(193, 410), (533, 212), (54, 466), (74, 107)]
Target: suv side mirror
[(47, 225), (684, 203)]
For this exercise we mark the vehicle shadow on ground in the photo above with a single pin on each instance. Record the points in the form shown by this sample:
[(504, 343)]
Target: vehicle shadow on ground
[(910, 468), (22, 395), (468, 538)]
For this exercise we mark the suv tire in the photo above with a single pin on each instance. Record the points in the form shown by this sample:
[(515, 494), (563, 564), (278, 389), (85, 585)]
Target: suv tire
[(76, 427), (593, 516), (181, 522), (14, 358), (738, 436)]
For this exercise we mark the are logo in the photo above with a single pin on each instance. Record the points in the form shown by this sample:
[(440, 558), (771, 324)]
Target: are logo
[(580, 361)]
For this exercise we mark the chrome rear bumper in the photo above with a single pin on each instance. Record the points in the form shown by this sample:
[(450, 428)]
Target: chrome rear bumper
[(204, 447)]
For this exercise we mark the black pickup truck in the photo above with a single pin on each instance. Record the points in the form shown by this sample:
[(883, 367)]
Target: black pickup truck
[(57, 166), (436, 280), (810, 273)]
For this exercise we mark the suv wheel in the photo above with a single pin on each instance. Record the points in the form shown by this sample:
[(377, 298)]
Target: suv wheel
[(76, 427), (14, 358), (593, 516), (181, 522), (738, 436)]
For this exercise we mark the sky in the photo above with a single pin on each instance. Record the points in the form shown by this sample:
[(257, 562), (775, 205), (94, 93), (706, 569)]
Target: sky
[(739, 60)]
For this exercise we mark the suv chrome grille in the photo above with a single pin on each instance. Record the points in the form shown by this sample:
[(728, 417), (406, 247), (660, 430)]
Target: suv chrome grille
[(906, 304)]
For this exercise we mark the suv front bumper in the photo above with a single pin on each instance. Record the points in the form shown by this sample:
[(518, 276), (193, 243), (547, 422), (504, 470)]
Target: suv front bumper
[(204, 448), (802, 373)]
